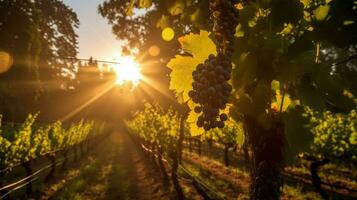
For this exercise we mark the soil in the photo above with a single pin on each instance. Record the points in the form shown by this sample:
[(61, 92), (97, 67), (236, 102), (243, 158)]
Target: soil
[(116, 170)]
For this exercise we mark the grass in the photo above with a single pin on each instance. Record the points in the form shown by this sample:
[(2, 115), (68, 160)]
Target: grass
[(297, 193), (71, 189)]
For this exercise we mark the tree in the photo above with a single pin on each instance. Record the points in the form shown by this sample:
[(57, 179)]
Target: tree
[(144, 20), (40, 36)]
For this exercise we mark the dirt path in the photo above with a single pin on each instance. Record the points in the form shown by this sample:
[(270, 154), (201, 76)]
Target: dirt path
[(115, 170)]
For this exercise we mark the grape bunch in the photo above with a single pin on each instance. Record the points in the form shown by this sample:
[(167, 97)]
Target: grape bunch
[(211, 89), (225, 19)]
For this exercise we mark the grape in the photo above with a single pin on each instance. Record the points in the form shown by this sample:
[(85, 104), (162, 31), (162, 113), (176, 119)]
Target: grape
[(191, 93), (198, 109), (211, 91), (220, 124), (223, 117), (210, 88), (207, 127), (199, 123)]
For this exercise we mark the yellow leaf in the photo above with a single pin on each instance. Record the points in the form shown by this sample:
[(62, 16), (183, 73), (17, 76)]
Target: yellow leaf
[(145, 3), (181, 79), (279, 97), (192, 119), (239, 31), (130, 8), (200, 46)]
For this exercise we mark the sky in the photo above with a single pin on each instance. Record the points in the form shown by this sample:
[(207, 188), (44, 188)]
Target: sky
[(95, 35)]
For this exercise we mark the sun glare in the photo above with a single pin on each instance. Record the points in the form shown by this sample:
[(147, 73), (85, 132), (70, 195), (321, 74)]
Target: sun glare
[(127, 71)]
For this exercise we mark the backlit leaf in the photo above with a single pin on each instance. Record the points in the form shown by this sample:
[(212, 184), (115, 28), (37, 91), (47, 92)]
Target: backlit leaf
[(200, 46), (321, 12)]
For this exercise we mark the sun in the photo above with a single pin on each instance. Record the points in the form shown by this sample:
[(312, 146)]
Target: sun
[(128, 70)]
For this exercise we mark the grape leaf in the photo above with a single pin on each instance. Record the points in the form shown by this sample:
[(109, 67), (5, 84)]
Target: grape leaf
[(298, 135), (200, 46), (276, 104), (245, 71), (310, 96), (181, 79), (192, 119), (321, 12)]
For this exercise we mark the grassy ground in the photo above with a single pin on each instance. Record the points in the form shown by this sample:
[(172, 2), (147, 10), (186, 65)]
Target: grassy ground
[(115, 169), (234, 180)]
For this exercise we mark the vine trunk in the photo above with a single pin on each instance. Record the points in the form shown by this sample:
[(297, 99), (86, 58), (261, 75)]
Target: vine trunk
[(267, 148)]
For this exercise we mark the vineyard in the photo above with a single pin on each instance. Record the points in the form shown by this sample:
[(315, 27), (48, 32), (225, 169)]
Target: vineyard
[(216, 99)]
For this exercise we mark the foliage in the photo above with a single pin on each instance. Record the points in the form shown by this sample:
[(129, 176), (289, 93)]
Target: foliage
[(26, 141), (199, 46), (231, 135), (156, 126), (276, 61), (293, 43), (145, 19), (40, 37), (36, 33), (335, 135)]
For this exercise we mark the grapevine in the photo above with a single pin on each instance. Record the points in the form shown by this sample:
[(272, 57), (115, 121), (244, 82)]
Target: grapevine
[(23, 143)]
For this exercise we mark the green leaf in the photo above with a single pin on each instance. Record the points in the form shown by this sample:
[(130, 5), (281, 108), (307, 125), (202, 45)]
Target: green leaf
[(298, 135), (260, 98), (244, 105), (275, 85), (310, 96), (279, 101), (321, 12), (301, 44), (239, 31), (283, 11), (245, 71), (265, 120), (333, 87)]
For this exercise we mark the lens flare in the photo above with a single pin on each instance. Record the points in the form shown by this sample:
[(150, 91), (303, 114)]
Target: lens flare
[(127, 71), (6, 62), (154, 51), (168, 34)]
